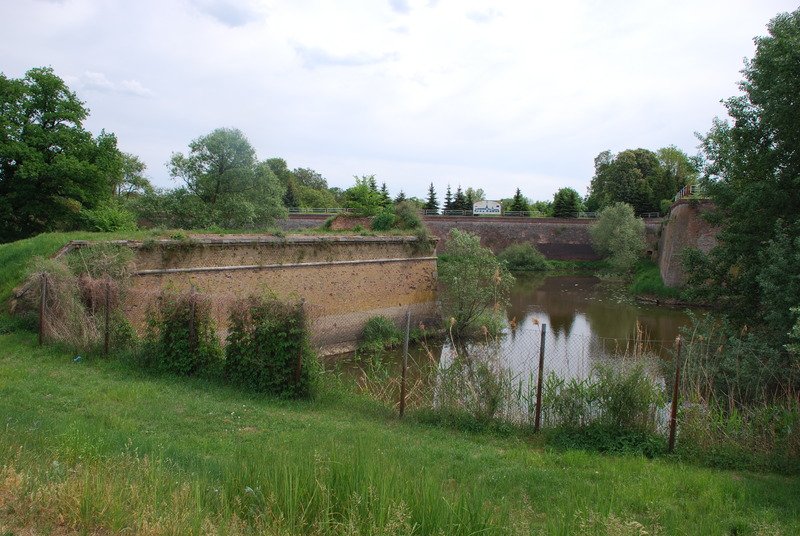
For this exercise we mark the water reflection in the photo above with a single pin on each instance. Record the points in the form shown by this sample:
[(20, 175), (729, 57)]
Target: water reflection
[(588, 320)]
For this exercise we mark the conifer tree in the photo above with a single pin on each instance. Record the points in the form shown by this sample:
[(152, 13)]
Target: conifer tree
[(400, 197), (432, 203), (448, 199), (518, 204)]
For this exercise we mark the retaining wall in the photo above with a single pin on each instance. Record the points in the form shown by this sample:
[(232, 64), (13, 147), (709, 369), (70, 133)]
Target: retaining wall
[(686, 228), (556, 238), (343, 281)]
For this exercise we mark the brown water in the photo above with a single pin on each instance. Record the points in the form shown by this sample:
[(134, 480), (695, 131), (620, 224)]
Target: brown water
[(587, 319)]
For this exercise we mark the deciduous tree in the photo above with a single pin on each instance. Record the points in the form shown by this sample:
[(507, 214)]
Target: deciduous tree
[(51, 168)]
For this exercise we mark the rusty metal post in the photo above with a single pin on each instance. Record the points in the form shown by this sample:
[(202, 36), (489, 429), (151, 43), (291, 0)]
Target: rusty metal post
[(405, 366), (538, 419), (42, 303), (673, 414), (106, 335)]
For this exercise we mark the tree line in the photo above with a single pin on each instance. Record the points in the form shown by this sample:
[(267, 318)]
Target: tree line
[(55, 175)]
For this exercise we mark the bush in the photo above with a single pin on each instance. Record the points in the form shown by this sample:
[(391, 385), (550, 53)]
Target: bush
[(524, 258), (472, 280), (379, 333), (407, 216), (176, 346), (108, 217), (384, 221), (619, 234), (267, 346)]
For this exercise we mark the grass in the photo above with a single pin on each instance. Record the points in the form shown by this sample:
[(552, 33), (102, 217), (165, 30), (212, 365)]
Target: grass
[(96, 447), (647, 281)]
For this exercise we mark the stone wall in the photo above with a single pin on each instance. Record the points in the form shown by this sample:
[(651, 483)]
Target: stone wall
[(343, 281), (685, 228), (556, 238)]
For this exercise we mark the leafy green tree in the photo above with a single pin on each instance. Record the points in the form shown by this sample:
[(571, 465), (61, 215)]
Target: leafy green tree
[(634, 176), (362, 198), (473, 281), (222, 170), (309, 178), (132, 180), (566, 203), (619, 234), (477, 194), (280, 169), (518, 202), (432, 203), (290, 197), (51, 168), (752, 171)]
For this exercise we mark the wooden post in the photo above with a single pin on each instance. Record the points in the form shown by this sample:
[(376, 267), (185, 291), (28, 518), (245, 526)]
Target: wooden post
[(107, 314), (538, 419), (298, 369), (42, 302), (192, 334), (405, 366), (673, 414)]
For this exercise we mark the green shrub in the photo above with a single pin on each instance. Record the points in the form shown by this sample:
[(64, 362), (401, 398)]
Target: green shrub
[(268, 345), (619, 234), (108, 217), (384, 221), (647, 280), (173, 346), (524, 258), (378, 334), (407, 216), (473, 281)]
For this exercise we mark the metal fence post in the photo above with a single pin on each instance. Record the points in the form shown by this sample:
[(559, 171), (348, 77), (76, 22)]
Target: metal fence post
[(538, 419), (405, 366), (673, 414), (107, 314), (42, 302)]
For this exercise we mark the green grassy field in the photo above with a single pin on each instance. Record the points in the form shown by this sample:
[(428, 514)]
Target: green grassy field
[(96, 447)]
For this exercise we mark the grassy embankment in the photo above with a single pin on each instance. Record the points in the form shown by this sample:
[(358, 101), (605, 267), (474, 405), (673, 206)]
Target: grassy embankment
[(95, 446)]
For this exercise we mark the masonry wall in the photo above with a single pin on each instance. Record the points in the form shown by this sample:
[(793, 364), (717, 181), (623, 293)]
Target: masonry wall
[(685, 228), (342, 280), (556, 238)]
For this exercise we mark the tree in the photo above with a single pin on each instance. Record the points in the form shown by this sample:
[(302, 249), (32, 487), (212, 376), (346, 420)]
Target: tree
[(473, 281), (459, 201), (386, 200), (566, 203), (518, 203), (222, 170), (51, 168), (432, 203), (632, 176), (132, 180), (280, 170), (290, 197), (400, 197), (362, 198), (752, 172), (448, 199), (309, 178), (619, 234), (477, 194)]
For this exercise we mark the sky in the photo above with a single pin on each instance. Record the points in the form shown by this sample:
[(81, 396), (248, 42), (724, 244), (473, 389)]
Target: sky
[(496, 95)]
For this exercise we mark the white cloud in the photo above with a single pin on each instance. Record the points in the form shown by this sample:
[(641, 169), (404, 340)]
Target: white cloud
[(93, 81)]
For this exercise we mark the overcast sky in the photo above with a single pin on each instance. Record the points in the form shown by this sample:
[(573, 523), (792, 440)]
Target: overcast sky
[(496, 95)]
